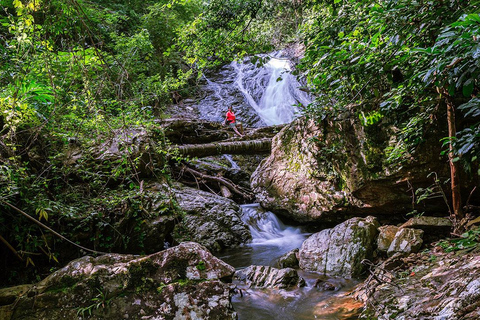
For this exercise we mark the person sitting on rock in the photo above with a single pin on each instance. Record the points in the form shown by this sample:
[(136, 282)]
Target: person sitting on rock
[(232, 123)]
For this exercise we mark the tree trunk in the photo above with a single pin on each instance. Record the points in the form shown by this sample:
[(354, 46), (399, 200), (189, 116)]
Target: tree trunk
[(454, 172), (230, 147)]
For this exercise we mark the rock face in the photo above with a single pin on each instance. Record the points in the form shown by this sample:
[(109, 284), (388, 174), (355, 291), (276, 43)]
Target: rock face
[(444, 288), (211, 220), (406, 241), (269, 277), (385, 237), (289, 259), (339, 170), (289, 180), (340, 251), (184, 282)]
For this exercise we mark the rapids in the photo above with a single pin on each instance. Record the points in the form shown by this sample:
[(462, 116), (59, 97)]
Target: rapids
[(261, 96)]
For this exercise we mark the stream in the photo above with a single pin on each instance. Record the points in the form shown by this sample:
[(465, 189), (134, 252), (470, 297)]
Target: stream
[(272, 239), (261, 96)]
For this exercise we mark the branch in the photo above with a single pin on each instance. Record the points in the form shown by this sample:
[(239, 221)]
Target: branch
[(50, 229), (224, 181)]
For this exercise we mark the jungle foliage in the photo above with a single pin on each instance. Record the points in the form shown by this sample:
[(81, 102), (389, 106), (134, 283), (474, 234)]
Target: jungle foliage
[(74, 73), (410, 64), (77, 74)]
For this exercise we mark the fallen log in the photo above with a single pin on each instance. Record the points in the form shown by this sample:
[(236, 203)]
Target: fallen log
[(228, 147)]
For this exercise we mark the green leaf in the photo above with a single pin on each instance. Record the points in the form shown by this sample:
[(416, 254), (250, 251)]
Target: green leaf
[(468, 88)]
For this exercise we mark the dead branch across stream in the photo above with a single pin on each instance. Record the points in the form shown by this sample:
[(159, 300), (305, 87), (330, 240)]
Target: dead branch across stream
[(226, 147)]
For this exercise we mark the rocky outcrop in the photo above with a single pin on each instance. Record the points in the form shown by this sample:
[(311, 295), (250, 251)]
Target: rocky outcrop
[(433, 286), (434, 224), (183, 282), (406, 241), (269, 277), (211, 220), (292, 182), (337, 170), (339, 251)]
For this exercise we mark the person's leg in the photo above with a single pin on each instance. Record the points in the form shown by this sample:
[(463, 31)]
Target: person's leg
[(234, 127), (236, 131), (240, 127)]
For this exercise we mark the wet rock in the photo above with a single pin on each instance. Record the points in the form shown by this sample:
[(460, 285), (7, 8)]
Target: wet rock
[(339, 251), (385, 237), (289, 259), (179, 283), (211, 220), (406, 241), (447, 288), (288, 182), (269, 277), (312, 176), (326, 285)]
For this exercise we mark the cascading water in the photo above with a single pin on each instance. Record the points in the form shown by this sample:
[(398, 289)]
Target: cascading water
[(261, 96), (270, 240)]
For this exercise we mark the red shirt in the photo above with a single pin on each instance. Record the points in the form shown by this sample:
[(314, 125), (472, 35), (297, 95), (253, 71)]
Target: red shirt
[(230, 116)]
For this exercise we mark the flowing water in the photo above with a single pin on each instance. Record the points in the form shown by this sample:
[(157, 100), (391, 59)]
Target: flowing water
[(272, 239), (260, 96)]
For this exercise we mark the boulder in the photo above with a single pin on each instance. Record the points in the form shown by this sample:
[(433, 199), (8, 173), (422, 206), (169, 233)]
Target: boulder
[(269, 277), (385, 237), (436, 225), (290, 181), (339, 169), (446, 287), (406, 241), (339, 251), (183, 282), (211, 220), (289, 259)]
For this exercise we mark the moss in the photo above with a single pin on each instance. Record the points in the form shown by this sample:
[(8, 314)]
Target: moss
[(67, 283), (201, 265)]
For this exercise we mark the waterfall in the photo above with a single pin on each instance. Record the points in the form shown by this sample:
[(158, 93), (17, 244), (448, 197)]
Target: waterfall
[(260, 96), (233, 164), (270, 239), (268, 230)]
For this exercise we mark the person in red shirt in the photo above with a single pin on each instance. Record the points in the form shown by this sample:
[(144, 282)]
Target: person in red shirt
[(232, 123)]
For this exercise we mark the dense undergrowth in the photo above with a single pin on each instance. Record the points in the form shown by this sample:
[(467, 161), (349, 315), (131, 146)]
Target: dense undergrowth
[(76, 75)]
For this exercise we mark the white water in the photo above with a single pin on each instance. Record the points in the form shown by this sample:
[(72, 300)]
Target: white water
[(233, 164), (278, 89), (260, 96), (268, 230), (270, 239)]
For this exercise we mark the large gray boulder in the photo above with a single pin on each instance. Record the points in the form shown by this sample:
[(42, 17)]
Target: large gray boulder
[(269, 277), (339, 251), (183, 282), (291, 180), (341, 169), (211, 220)]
